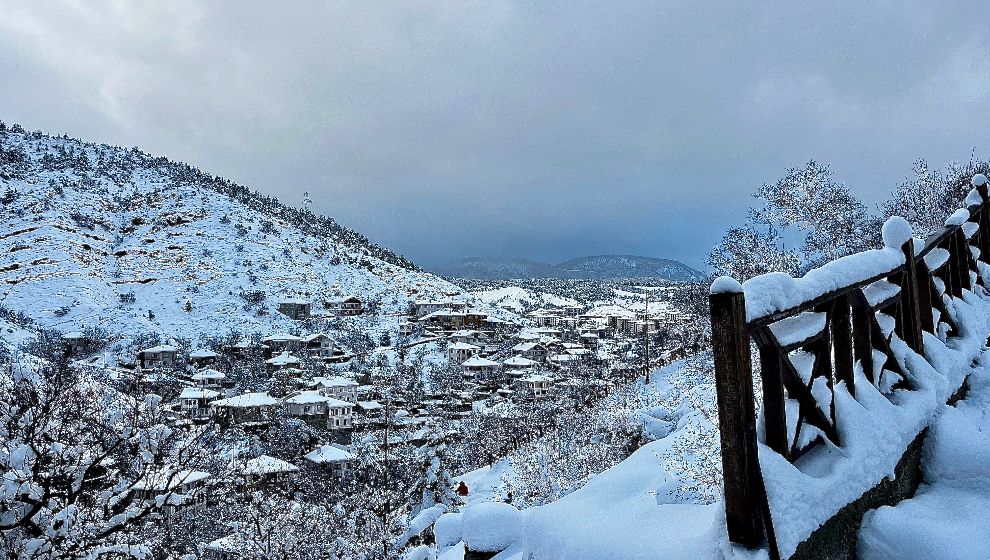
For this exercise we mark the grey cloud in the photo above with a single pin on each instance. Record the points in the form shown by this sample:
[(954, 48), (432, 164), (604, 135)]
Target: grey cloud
[(508, 128)]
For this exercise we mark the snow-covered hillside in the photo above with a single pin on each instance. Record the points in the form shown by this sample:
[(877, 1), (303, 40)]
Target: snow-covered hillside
[(94, 235)]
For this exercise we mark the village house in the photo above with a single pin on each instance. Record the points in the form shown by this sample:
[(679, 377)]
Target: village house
[(407, 328), (533, 350), (564, 360), (535, 386), (194, 402), (246, 349), (334, 459), (572, 310), (519, 363), (313, 405), (181, 488), (158, 356), (425, 307), (459, 352), (268, 473), (278, 343), (319, 345), (282, 361), (336, 387), (295, 308), (76, 343), (479, 368), (202, 358), (210, 379), (347, 306), (246, 408), (467, 336), (589, 340)]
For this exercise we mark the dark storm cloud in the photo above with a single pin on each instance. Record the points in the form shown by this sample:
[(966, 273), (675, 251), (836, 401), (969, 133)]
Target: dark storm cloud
[(447, 129)]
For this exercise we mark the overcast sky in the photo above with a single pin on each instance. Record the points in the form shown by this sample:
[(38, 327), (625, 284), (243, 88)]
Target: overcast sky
[(458, 128)]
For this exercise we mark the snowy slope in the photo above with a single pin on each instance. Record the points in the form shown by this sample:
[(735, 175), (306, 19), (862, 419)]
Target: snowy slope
[(84, 226)]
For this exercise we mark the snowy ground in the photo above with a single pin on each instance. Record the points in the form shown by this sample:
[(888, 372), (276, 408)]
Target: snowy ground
[(948, 516)]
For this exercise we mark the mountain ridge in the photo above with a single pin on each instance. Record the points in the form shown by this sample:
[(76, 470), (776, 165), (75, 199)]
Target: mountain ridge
[(603, 267)]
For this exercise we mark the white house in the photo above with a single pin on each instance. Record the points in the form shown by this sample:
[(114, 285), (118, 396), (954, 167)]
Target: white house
[(461, 351), (333, 458), (338, 414), (407, 328), (479, 368), (209, 378), (536, 386), (336, 387), (282, 361), (519, 363), (195, 402)]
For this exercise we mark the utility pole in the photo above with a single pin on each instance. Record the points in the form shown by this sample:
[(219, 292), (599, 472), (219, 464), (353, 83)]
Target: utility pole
[(646, 333)]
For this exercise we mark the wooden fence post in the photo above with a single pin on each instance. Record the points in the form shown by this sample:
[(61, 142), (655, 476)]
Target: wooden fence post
[(842, 344), (910, 312), (736, 414), (980, 182)]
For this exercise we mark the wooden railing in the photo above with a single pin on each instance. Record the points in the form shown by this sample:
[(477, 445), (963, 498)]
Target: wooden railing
[(807, 348)]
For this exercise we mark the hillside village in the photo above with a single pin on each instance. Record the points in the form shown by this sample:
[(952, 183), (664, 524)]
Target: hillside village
[(299, 354)]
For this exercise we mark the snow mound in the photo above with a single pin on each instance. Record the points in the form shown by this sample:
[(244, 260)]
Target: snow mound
[(491, 526), (726, 285), (896, 232), (979, 180), (447, 529)]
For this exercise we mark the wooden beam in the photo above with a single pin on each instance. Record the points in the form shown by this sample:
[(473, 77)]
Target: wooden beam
[(743, 484)]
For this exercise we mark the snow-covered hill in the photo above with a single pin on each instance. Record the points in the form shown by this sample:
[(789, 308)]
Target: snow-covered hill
[(630, 266), (600, 267), (94, 235)]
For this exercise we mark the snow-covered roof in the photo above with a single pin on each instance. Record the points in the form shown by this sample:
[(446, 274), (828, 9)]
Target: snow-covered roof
[(208, 374), (328, 454), (160, 348), (281, 338), (463, 346), (247, 400), (189, 393), (525, 346), (308, 397), (333, 381), (314, 336), (519, 361), (283, 359), (369, 405), (202, 353), (561, 358), (464, 333), (295, 301), (266, 464), (537, 379), (479, 362)]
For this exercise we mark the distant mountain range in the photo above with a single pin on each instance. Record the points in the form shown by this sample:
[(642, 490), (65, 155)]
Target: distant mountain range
[(601, 267)]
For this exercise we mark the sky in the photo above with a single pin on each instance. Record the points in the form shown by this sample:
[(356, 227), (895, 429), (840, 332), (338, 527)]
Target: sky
[(545, 130)]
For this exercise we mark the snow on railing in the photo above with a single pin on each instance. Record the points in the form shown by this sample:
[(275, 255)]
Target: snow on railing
[(847, 324)]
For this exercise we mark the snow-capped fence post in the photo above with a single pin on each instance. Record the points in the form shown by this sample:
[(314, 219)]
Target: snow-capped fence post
[(736, 413), (909, 318)]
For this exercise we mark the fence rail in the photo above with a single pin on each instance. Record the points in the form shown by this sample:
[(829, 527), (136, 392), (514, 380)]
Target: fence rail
[(805, 349)]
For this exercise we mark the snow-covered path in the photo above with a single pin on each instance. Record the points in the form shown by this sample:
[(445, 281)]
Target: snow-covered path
[(948, 516)]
